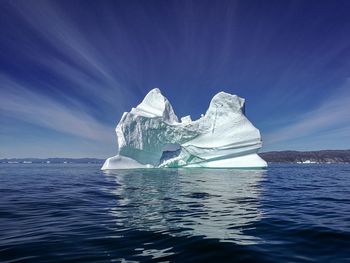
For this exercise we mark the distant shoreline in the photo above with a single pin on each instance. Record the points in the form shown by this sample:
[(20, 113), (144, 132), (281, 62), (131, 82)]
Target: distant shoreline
[(52, 160), (307, 157), (301, 157)]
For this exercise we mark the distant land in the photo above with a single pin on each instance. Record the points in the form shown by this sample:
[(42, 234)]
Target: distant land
[(324, 156), (52, 160)]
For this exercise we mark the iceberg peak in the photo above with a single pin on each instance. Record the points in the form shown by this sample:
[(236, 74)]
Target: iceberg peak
[(156, 105), (225, 103), (150, 135)]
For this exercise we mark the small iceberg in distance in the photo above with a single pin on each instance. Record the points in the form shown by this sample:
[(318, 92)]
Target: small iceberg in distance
[(151, 136)]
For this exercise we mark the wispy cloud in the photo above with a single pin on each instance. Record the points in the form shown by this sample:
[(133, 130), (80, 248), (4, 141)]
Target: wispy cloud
[(331, 116), (23, 104), (54, 26), (71, 66), (89, 76), (85, 64)]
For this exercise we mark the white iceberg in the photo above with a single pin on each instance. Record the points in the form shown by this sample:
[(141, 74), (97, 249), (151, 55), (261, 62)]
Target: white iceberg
[(150, 136)]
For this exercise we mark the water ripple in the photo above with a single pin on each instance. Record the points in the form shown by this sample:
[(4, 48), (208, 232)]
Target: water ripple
[(75, 213)]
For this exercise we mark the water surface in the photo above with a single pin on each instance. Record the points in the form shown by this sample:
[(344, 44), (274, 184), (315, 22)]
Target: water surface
[(77, 213)]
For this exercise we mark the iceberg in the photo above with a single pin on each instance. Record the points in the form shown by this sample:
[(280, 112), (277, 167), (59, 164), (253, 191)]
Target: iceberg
[(151, 136)]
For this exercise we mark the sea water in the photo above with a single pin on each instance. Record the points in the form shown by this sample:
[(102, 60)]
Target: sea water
[(77, 213)]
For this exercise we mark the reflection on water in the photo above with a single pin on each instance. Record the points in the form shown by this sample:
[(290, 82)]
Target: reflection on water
[(76, 213), (187, 202)]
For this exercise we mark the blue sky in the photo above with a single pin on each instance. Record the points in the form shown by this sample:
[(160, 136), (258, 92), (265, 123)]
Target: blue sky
[(69, 69)]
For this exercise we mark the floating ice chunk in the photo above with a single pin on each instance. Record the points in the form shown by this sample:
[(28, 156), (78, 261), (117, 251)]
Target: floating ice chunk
[(150, 135)]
